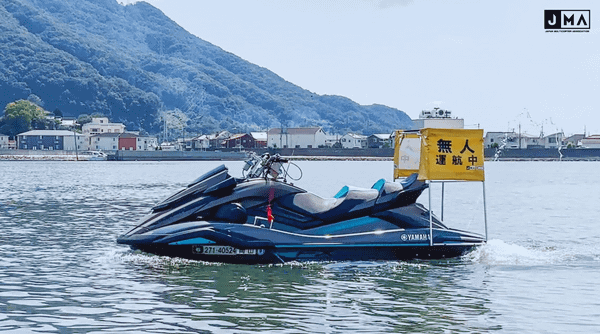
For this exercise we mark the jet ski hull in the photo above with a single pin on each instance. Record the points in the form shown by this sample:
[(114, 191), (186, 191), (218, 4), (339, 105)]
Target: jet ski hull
[(315, 253), (251, 244)]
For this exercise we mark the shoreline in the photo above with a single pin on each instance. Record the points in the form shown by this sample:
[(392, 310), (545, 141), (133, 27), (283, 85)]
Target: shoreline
[(73, 157), (21, 157), (290, 154)]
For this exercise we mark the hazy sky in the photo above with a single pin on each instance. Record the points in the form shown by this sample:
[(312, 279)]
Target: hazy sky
[(492, 64)]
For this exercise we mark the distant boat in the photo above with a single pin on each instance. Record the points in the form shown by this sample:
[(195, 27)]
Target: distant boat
[(93, 156)]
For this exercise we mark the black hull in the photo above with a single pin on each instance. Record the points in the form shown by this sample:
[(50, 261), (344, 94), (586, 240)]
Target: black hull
[(282, 255)]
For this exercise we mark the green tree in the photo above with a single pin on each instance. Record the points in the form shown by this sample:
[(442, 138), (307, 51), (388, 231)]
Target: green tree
[(14, 125), (19, 116), (25, 108), (35, 100), (83, 119), (98, 114)]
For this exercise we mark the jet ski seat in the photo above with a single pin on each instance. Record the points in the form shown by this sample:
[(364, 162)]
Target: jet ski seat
[(347, 201), (377, 186)]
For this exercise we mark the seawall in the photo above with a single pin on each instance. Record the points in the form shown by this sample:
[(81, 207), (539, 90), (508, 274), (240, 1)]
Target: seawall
[(176, 155), (570, 154)]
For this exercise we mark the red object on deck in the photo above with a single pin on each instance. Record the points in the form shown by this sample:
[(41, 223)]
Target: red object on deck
[(270, 216)]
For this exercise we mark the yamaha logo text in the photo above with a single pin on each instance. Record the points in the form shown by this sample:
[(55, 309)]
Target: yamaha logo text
[(414, 237), (567, 20)]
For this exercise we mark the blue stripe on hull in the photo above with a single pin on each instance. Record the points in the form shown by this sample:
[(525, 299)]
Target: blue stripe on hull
[(194, 241), (350, 246)]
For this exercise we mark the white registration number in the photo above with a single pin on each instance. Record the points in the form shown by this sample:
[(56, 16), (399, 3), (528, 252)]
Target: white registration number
[(226, 250)]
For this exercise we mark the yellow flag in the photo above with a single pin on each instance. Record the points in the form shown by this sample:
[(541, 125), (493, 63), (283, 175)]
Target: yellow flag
[(451, 154), (407, 153)]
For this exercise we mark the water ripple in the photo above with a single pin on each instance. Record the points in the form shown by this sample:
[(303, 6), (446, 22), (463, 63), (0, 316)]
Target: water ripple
[(61, 270)]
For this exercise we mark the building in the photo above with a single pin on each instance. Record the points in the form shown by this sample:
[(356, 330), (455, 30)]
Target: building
[(333, 141), (104, 142), (550, 141), (501, 139), (217, 140), (50, 140), (4, 143), (240, 140), (573, 141), (260, 139), (68, 121), (438, 118), (100, 125), (200, 143), (127, 141), (146, 143), (353, 140), (553, 140), (184, 144), (131, 141), (296, 137), (379, 140), (592, 141), (512, 140), (165, 146)]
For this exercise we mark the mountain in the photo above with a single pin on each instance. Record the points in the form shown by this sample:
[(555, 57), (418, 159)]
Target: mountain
[(135, 65)]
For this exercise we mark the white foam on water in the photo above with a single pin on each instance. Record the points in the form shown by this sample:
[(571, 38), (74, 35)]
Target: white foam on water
[(498, 252), (154, 261), (495, 252)]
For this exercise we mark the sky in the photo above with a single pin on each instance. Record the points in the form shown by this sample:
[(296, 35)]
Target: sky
[(491, 63)]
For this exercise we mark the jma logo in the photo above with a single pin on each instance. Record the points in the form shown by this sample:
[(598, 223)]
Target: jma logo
[(567, 19)]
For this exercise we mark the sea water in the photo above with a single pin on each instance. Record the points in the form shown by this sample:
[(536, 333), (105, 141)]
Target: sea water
[(61, 270)]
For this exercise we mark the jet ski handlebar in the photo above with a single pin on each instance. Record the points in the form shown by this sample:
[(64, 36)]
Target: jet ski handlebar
[(267, 166)]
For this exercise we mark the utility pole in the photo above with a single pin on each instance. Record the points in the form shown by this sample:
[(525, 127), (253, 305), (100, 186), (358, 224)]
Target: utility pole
[(519, 136), (76, 152), (280, 134)]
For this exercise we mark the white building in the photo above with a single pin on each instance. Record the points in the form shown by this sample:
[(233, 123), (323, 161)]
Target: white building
[(353, 140), (333, 141), (3, 141), (439, 119), (512, 140), (498, 139), (260, 138), (184, 144), (380, 140), (553, 140), (68, 121), (592, 141), (296, 137), (100, 125), (164, 146), (201, 142), (147, 143), (104, 142)]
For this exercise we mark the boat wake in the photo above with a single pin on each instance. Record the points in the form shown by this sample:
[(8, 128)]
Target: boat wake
[(154, 261), (498, 252)]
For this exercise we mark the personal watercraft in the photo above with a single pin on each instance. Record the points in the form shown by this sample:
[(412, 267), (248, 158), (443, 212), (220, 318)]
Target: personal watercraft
[(262, 218)]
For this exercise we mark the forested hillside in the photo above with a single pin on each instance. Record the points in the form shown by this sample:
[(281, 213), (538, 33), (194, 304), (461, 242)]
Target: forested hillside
[(135, 65)]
